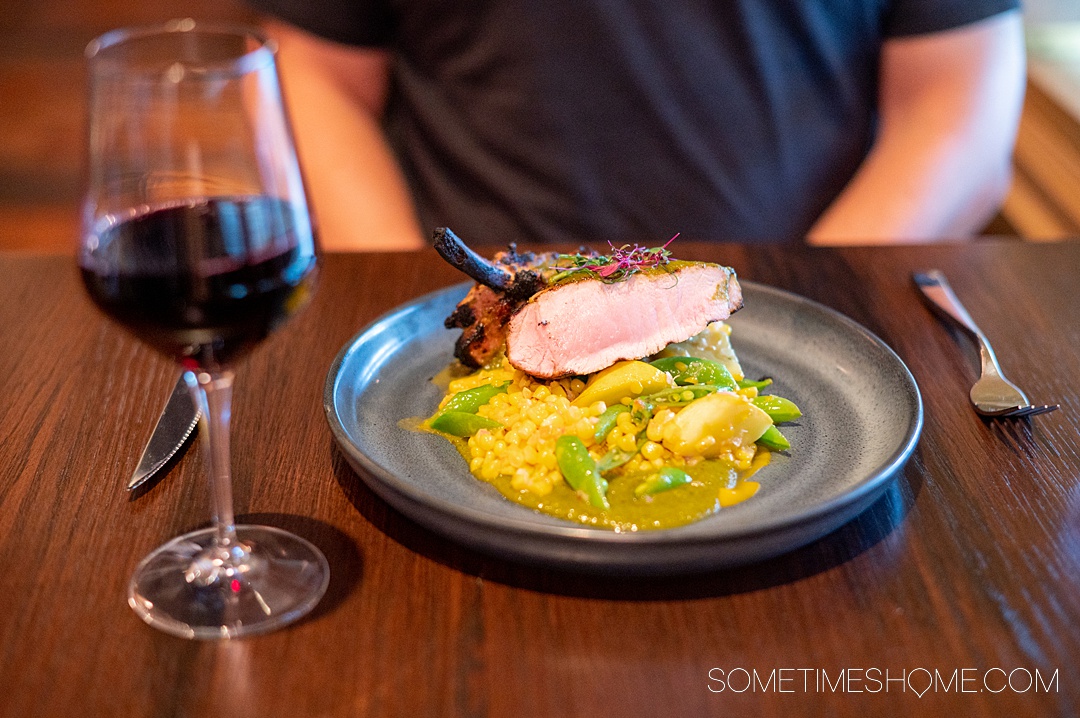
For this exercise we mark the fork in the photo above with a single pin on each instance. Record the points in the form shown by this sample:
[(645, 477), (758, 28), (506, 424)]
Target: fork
[(993, 394)]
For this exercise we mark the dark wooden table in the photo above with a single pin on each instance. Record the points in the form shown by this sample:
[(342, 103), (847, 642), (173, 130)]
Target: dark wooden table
[(968, 566)]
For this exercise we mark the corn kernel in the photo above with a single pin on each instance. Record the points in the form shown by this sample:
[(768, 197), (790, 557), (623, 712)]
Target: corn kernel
[(520, 480), (651, 450), (585, 431), (655, 430), (553, 421), (513, 457), (484, 440)]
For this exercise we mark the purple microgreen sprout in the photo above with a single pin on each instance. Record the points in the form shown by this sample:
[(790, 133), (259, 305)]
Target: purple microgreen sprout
[(622, 263)]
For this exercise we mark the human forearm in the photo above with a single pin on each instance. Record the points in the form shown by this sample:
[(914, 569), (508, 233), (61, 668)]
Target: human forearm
[(941, 163), (335, 95)]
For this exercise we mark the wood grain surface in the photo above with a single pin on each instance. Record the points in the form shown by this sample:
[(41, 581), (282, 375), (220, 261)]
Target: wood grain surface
[(969, 565)]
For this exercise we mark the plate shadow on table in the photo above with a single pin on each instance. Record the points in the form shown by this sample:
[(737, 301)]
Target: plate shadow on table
[(868, 529)]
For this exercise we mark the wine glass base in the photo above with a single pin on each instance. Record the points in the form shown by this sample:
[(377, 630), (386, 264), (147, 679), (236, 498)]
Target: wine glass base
[(272, 579)]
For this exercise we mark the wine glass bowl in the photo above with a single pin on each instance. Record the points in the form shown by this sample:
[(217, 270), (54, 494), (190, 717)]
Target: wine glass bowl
[(197, 239)]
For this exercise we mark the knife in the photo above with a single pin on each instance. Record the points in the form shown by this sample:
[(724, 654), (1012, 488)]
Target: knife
[(176, 425)]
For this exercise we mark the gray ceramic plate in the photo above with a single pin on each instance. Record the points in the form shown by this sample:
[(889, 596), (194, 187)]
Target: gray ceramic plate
[(862, 418)]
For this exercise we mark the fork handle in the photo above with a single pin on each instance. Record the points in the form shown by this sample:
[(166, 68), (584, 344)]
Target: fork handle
[(937, 291)]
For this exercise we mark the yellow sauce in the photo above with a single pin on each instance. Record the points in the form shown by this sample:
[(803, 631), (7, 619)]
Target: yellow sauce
[(715, 485), (741, 492)]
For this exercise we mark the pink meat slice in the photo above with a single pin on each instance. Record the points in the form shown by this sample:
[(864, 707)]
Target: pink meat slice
[(585, 326)]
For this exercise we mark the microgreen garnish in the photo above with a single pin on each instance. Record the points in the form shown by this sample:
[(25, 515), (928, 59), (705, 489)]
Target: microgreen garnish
[(621, 264)]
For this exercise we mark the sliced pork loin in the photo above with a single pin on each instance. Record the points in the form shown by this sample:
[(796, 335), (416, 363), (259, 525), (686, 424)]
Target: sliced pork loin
[(584, 326)]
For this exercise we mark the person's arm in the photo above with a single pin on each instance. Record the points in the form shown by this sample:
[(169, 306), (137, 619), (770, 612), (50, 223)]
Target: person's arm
[(940, 166), (336, 95)]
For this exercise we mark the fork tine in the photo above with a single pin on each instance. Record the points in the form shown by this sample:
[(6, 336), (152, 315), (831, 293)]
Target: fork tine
[(1022, 412), (1044, 409)]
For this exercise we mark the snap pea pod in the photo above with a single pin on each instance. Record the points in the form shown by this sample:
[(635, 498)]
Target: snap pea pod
[(695, 370), (751, 384), (462, 423), (679, 395), (773, 439), (778, 408), (472, 399), (666, 479), (607, 421), (614, 459), (617, 457), (641, 411), (579, 470)]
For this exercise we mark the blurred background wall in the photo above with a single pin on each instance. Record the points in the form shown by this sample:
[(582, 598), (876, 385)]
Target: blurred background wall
[(41, 114), (42, 105), (1044, 202)]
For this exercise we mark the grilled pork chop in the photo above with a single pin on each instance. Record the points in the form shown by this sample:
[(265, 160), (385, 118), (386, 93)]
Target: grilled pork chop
[(553, 329), (584, 326)]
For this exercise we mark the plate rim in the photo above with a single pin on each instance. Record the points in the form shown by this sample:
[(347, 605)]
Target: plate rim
[(874, 481)]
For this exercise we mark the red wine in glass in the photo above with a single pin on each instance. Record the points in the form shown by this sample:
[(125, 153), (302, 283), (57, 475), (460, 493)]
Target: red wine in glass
[(197, 238), (203, 280)]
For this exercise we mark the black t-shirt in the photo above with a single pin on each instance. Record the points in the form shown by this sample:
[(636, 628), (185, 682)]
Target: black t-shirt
[(629, 120)]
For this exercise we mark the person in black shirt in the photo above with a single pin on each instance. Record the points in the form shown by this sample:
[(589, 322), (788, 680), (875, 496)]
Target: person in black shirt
[(833, 121)]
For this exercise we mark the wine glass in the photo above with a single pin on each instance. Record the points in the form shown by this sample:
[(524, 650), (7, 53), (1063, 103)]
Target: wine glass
[(196, 237)]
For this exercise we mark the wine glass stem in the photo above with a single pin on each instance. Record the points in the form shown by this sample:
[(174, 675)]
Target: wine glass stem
[(212, 393)]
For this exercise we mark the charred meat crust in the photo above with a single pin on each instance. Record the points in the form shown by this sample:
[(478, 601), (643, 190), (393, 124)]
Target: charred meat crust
[(503, 285), (511, 273), (462, 316), (482, 316), (454, 251)]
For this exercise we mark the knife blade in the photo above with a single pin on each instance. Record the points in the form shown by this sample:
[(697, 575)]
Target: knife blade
[(176, 425)]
